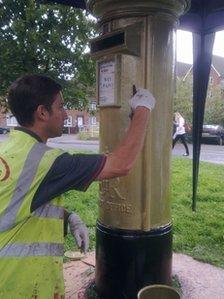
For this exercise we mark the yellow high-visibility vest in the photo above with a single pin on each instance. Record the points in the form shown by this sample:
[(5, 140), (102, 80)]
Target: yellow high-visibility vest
[(31, 244)]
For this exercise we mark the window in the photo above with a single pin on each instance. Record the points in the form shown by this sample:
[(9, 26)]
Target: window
[(93, 120), (80, 121), (68, 121), (11, 120), (211, 80), (93, 106)]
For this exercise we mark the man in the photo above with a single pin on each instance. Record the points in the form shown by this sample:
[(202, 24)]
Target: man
[(33, 177)]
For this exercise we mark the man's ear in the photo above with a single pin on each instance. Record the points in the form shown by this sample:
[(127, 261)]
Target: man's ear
[(42, 113)]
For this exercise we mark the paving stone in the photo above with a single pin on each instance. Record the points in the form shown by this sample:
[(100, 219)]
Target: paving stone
[(78, 276), (198, 280)]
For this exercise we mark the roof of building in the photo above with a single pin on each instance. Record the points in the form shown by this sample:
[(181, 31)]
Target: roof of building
[(183, 68), (218, 63)]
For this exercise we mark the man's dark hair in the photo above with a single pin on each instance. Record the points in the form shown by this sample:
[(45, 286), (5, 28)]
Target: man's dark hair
[(27, 93)]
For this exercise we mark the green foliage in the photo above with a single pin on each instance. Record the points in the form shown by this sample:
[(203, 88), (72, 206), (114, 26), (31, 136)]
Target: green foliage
[(214, 108), (86, 205), (50, 40), (183, 99), (89, 135), (198, 234)]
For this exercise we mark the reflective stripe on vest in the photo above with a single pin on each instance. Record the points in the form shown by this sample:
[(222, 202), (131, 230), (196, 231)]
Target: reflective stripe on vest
[(8, 219), (32, 249), (49, 211)]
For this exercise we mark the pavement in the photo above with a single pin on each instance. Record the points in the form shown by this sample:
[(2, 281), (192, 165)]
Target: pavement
[(209, 152), (73, 138), (67, 142), (198, 280)]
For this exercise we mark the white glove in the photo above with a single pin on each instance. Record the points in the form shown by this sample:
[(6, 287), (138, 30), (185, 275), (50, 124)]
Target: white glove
[(143, 98), (79, 231)]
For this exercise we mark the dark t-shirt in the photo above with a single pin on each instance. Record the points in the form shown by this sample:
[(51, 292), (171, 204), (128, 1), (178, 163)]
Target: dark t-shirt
[(67, 172)]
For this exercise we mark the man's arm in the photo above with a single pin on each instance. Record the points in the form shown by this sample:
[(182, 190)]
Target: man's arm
[(122, 159)]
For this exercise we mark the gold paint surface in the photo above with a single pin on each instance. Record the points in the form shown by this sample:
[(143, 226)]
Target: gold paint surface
[(109, 10), (141, 200)]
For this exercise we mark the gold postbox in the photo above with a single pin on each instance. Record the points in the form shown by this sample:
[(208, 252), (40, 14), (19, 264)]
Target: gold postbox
[(134, 231), (136, 51)]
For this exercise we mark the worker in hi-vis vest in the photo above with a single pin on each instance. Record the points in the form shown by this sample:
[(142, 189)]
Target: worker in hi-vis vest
[(33, 177)]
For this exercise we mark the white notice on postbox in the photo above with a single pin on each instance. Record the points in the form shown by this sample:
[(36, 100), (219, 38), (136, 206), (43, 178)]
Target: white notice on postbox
[(106, 83)]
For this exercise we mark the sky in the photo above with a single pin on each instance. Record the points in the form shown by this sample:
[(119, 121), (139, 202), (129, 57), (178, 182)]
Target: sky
[(184, 45)]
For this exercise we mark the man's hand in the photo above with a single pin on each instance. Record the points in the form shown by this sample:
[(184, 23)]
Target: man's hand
[(79, 231), (142, 98)]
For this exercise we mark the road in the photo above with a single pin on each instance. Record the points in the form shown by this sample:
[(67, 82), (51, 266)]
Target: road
[(209, 152), (71, 142)]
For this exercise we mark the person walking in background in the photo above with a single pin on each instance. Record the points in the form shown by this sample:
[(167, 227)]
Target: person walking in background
[(180, 132)]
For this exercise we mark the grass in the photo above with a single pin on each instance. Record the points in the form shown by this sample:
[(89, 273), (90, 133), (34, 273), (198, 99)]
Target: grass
[(86, 205), (89, 135), (199, 234)]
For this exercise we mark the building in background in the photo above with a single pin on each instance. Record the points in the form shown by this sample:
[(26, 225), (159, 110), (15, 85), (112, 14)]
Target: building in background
[(84, 121), (185, 70), (183, 97)]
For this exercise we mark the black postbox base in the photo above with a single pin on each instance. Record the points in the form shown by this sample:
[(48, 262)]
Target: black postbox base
[(126, 261)]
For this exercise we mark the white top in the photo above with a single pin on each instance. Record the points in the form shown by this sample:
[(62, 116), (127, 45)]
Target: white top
[(180, 129)]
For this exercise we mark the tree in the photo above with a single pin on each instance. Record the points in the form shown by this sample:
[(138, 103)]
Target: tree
[(214, 108), (50, 40), (183, 99)]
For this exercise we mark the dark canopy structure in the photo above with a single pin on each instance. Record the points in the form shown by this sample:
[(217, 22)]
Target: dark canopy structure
[(204, 18)]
